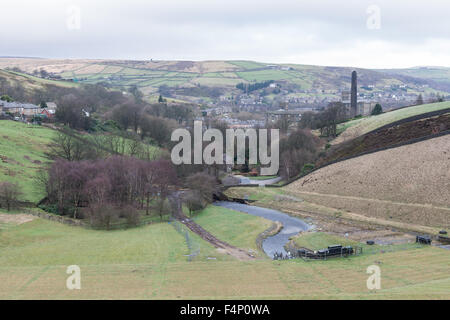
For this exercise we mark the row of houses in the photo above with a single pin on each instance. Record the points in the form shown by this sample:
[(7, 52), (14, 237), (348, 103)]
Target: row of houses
[(27, 110)]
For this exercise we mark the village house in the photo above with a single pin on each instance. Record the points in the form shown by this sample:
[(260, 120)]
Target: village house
[(11, 107), (27, 110)]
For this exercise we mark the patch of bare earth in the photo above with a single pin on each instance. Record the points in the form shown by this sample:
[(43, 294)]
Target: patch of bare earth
[(16, 218), (408, 185)]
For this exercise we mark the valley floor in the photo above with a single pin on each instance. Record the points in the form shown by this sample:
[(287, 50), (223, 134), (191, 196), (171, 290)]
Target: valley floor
[(151, 262)]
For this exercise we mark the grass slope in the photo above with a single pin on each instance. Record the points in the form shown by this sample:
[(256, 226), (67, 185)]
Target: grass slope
[(236, 228), (31, 83), (358, 127)]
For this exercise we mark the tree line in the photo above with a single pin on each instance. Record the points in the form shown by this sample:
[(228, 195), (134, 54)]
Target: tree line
[(249, 87), (104, 190)]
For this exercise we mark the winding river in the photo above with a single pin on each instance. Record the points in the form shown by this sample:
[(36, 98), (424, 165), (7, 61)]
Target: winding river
[(275, 243)]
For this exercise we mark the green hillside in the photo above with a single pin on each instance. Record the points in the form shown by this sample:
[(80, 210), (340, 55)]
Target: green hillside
[(23, 148), (22, 154)]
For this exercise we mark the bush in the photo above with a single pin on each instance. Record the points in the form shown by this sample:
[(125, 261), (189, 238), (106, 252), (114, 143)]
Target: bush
[(50, 208), (377, 110), (132, 216), (103, 216), (163, 207), (6, 98), (194, 204), (204, 185), (9, 195), (307, 168)]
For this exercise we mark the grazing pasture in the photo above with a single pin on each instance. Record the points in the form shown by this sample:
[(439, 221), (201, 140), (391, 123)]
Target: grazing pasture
[(150, 263), (22, 154)]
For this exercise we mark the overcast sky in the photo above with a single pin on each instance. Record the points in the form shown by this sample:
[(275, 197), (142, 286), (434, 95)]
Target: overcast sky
[(405, 33)]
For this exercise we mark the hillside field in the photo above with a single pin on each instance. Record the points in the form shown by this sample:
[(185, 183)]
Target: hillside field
[(30, 82), (22, 154)]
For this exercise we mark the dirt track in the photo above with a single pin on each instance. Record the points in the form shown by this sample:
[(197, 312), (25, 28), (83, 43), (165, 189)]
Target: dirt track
[(16, 218)]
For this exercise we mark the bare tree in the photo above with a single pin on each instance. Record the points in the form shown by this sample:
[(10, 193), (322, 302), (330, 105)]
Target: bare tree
[(203, 185), (194, 203), (68, 147), (9, 195), (103, 215), (156, 128)]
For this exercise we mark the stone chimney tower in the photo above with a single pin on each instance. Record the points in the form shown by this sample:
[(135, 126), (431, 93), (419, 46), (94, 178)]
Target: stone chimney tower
[(354, 92)]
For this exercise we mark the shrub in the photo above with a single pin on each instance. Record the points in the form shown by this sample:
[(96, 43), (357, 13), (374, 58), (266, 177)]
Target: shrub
[(9, 195), (163, 207), (204, 184), (194, 204), (103, 215), (132, 216), (307, 168), (377, 110)]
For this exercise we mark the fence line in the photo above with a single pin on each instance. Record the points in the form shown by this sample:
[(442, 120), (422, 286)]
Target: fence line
[(194, 247)]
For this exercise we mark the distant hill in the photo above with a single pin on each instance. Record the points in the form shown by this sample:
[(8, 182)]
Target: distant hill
[(440, 75), (31, 83), (183, 78)]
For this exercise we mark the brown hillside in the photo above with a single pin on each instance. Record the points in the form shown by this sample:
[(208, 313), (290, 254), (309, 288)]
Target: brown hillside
[(387, 137), (409, 184)]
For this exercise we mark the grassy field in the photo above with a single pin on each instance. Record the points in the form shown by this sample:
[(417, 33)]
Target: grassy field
[(22, 149), (361, 126), (150, 263), (321, 240), (43, 242), (236, 228)]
